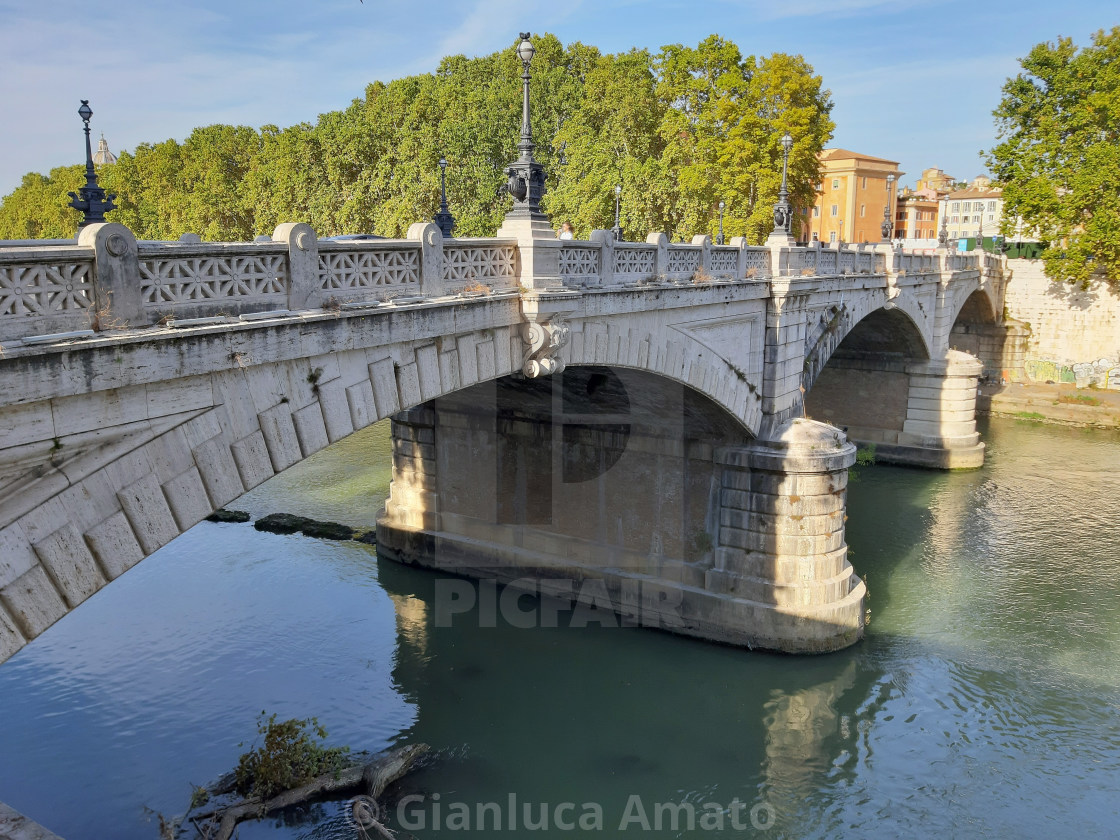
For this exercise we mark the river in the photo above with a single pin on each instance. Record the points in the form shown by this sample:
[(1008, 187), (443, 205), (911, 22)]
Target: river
[(983, 702)]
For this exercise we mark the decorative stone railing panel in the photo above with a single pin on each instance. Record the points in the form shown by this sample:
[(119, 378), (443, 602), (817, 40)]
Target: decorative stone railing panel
[(42, 292), (725, 261), (635, 262), (208, 279), (487, 262), (847, 262), (579, 264), (682, 261), (349, 272), (756, 263)]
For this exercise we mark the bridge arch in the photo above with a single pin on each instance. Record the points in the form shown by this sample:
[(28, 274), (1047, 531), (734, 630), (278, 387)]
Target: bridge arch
[(978, 329), (131, 461), (864, 385), (899, 327)]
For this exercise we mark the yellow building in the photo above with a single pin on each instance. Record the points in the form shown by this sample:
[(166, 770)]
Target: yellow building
[(935, 179), (916, 216), (851, 197)]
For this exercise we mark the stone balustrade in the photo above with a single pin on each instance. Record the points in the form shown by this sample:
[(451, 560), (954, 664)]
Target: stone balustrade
[(107, 279)]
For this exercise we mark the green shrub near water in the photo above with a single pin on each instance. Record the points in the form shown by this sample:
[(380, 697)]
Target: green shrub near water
[(290, 754)]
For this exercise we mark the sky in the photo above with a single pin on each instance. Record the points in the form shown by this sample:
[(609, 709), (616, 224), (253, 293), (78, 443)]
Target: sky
[(913, 81)]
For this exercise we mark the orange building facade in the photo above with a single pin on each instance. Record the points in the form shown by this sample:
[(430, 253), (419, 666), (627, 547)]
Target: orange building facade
[(851, 197)]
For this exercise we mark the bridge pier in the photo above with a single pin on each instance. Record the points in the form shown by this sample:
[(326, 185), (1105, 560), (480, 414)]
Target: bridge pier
[(940, 426), (916, 412), (574, 487)]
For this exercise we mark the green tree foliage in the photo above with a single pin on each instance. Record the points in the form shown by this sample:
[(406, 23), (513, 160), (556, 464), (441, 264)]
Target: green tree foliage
[(1059, 155), (39, 208), (679, 130)]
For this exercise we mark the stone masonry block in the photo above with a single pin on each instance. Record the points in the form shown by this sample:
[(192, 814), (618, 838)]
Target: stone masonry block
[(33, 602), (311, 429), (231, 391), (219, 472), (16, 554), (186, 496), (253, 463), (114, 546), (468, 359), (146, 508), (280, 436), (72, 568), (449, 371), (202, 428), (503, 362), (11, 639), (408, 384), (383, 377), (487, 369), (363, 410), (21, 424), (427, 372), (336, 411)]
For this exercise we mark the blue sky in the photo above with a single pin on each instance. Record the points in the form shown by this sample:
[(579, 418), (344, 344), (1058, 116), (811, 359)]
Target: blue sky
[(912, 80)]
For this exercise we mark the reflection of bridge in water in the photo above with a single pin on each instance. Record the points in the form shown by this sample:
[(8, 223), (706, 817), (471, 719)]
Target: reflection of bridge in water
[(667, 459), (599, 748)]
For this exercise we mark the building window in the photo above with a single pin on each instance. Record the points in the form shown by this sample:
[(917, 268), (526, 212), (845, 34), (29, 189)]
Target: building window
[(967, 205), (862, 210), (956, 235), (991, 207), (835, 209), (956, 206), (816, 212), (865, 182), (832, 236), (836, 183), (991, 218)]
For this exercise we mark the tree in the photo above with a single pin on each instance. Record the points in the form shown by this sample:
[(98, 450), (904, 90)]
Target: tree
[(680, 131), (39, 207), (1059, 155)]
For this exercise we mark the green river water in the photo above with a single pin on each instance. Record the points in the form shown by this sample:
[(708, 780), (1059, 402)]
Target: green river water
[(984, 701)]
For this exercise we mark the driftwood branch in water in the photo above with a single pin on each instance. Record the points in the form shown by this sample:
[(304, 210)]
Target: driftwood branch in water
[(373, 777)]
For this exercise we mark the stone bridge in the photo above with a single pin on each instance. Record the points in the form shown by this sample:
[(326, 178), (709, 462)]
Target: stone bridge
[(630, 415)]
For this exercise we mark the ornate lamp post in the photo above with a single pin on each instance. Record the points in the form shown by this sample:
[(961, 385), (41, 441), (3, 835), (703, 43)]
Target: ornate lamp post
[(888, 223), (782, 213), (91, 201), (943, 234), (980, 233), (719, 238), (526, 176), (444, 220), (617, 229)]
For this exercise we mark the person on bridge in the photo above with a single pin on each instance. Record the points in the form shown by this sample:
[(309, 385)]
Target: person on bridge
[(565, 231)]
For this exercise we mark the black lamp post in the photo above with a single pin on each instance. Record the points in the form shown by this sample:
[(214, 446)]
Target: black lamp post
[(888, 223), (444, 220), (525, 176), (91, 201), (980, 233), (617, 229), (782, 214), (719, 238)]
